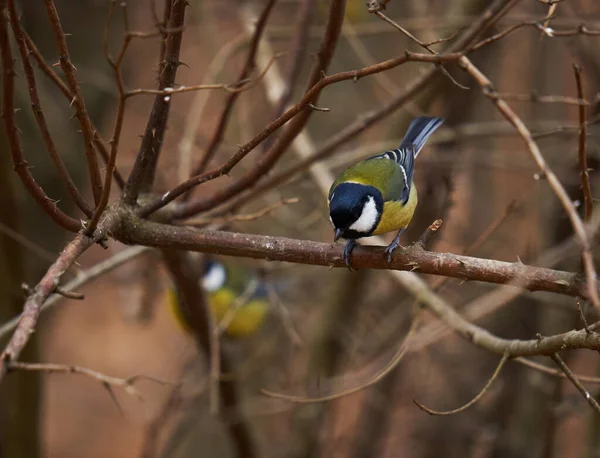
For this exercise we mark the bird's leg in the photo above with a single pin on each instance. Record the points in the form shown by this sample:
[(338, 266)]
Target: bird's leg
[(350, 244), (392, 246)]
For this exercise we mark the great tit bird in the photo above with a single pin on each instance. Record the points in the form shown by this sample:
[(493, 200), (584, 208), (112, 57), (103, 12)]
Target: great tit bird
[(378, 195), (228, 287)]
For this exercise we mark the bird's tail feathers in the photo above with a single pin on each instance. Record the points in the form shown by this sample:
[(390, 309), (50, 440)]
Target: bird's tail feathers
[(418, 132)]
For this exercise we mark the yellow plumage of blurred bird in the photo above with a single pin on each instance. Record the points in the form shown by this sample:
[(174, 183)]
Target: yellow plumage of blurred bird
[(228, 289)]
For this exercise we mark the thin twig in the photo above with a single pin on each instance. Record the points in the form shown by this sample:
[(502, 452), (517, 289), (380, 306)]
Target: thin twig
[(20, 165), (26, 243), (115, 64), (36, 107), (69, 70), (586, 394), (194, 207), (363, 122), (238, 218), (60, 84), (484, 390), (83, 277), (128, 384), (554, 372), (426, 46), (245, 73), (298, 112), (585, 177), (393, 363), (555, 184)]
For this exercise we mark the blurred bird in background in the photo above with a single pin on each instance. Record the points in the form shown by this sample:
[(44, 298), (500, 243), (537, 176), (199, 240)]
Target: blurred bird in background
[(235, 294)]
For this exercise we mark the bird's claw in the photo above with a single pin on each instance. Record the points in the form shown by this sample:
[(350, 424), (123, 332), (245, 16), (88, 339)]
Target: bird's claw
[(350, 244), (390, 249)]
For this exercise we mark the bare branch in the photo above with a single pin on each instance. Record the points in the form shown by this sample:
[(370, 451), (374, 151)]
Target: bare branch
[(141, 177), (247, 70), (59, 83), (33, 304), (114, 142), (128, 384), (484, 390), (69, 70), (586, 394), (488, 18), (36, 107), (325, 254), (553, 180), (585, 177), (299, 113), (269, 159), (389, 367), (83, 277), (14, 141)]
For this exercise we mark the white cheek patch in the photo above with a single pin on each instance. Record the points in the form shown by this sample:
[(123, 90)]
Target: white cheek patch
[(368, 218), (214, 278)]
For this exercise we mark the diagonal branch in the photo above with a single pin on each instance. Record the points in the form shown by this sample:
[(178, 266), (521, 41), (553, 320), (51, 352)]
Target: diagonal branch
[(33, 304), (485, 20), (586, 394), (36, 107), (300, 113), (249, 66), (141, 177), (69, 70), (12, 133), (557, 187)]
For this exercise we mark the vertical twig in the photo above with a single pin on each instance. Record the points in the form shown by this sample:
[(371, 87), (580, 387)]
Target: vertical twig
[(144, 169), (193, 304), (585, 177), (114, 142), (69, 70)]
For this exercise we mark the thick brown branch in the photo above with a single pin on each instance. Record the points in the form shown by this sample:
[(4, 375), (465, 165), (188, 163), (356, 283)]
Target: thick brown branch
[(12, 133), (141, 177), (69, 70), (147, 233)]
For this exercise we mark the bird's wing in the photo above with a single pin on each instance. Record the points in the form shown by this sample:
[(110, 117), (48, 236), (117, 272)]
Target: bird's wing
[(381, 172)]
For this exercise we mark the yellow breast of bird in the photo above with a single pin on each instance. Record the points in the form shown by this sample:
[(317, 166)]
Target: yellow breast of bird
[(395, 215)]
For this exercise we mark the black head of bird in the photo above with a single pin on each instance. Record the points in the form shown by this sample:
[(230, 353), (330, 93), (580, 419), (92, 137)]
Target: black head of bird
[(355, 210)]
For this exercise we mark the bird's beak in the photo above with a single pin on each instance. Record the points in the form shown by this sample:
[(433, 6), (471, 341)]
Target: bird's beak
[(337, 234)]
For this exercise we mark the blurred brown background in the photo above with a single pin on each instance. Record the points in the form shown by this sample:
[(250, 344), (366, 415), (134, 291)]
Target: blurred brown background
[(350, 323)]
